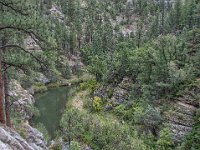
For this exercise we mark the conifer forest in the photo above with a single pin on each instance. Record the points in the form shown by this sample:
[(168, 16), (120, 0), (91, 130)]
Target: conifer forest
[(99, 74)]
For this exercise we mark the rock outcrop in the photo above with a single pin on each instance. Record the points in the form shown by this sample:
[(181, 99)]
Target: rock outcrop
[(32, 139), (11, 140), (115, 94), (180, 120), (180, 116), (22, 100), (121, 92), (42, 78)]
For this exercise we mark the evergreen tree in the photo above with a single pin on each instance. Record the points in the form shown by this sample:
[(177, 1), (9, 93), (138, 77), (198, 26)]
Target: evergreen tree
[(24, 21)]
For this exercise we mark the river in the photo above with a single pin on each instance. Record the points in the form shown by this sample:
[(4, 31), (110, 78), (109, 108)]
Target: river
[(51, 105)]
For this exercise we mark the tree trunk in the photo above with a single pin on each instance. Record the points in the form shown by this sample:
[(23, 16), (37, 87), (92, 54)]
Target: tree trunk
[(7, 98), (162, 17), (2, 116)]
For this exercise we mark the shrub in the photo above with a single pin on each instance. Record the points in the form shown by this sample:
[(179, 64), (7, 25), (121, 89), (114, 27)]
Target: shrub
[(91, 85), (99, 132), (43, 130), (192, 141), (165, 141), (56, 146), (97, 103), (75, 146)]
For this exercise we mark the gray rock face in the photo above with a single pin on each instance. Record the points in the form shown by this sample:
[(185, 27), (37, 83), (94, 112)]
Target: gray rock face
[(35, 138), (119, 94), (4, 146), (180, 116), (42, 78), (23, 100), (55, 11), (103, 91), (11, 140), (180, 120)]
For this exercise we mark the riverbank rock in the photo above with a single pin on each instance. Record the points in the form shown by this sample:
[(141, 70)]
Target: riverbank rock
[(11, 140), (34, 138), (42, 78), (22, 100)]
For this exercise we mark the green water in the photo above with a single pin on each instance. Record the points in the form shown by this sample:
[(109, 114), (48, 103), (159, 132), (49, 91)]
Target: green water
[(51, 105)]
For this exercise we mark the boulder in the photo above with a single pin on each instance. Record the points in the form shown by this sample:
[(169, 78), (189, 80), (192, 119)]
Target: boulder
[(42, 78)]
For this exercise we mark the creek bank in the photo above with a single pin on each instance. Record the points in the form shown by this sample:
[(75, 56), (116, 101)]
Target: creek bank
[(40, 87)]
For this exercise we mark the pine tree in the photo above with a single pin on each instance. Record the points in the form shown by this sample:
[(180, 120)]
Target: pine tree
[(20, 20)]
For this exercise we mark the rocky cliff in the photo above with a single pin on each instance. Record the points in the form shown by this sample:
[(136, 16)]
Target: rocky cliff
[(22, 100), (29, 138), (12, 140)]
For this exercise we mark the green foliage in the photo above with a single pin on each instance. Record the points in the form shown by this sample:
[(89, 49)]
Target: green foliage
[(165, 140), (39, 88), (56, 146), (99, 132), (97, 103), (192, 141), (33, 110), (44, 131), (110, 92), (91, 85), (71, 123), (75, 146)]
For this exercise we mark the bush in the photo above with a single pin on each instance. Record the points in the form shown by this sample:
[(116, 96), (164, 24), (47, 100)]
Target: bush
[(97, 103), (56, 146), (91, 85), (43, 130), (192, 141), (100, 132), (75, 146), (165, 140)]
